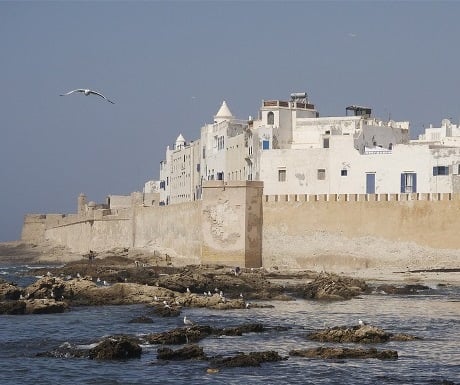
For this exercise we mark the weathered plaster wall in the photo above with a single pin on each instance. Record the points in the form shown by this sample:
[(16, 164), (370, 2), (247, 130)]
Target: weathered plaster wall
[(97, 235), (359, 234), (174, 229), (230, 213), (33, 229)]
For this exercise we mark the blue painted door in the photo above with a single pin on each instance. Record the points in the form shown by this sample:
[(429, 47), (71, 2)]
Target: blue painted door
[(370, 183)]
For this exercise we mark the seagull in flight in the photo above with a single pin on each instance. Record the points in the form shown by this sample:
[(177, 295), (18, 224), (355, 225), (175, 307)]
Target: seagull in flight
[(87, 92)]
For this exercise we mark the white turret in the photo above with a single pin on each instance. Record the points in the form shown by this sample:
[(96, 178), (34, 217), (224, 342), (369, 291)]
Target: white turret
[(223, 114), (180, 142)]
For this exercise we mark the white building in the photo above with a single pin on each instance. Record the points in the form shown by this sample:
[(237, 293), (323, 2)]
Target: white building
[(295, 151)]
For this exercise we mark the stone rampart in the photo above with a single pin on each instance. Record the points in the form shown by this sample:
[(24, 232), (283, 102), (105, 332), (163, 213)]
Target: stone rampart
[(358, 230), (235, 225), (173, 229)]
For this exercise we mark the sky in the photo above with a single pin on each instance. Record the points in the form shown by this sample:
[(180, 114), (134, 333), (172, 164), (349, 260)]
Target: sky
[(168, 65)]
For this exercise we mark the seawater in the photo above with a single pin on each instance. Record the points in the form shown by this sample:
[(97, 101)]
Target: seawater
[(434, 316)]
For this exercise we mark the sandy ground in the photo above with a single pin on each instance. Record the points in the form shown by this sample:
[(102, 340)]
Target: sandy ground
[(427, 270)]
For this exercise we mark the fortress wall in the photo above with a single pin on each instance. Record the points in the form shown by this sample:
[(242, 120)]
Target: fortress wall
[(33, 229), (173, 229), (358, 234), (89, 234)]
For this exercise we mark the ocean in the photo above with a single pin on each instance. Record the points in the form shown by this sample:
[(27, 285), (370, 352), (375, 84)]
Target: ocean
[(433, 315)]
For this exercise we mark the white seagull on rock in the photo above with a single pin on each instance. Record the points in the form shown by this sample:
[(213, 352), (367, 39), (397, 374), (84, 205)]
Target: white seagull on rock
[(88, 92)]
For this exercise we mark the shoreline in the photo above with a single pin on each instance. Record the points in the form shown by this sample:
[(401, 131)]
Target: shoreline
[(447, 273)]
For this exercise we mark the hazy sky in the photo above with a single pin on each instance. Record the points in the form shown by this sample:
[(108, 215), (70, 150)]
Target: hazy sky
[(168, 65)]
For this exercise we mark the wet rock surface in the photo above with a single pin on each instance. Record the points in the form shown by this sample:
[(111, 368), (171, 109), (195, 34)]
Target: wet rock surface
[(328, 286), (116, 348), (188, 352), (9, 291), (196, 333), (12, 307), (367, 334), (342, 353), (246, 359)]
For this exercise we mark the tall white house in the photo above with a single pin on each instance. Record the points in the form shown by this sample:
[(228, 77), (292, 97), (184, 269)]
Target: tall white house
[(295, 151)]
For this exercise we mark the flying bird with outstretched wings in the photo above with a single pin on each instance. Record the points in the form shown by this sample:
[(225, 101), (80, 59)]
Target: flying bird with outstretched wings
[(88, 92)]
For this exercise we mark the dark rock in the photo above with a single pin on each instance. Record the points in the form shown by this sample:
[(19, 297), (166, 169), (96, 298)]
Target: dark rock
[(188, 352), (198, 332), (357, 334), (9, 291), (341, 353), (240, 330), (116, 348), (179, 335), (246, 359), (334, 287), (12, 307)]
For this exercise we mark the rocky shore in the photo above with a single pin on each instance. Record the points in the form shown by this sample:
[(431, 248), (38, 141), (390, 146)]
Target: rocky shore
[(124, 277)]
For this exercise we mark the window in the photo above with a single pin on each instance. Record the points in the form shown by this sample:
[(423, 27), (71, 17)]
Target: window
[(204, 152), (325, 142), (198, 167), (440, 170), (408, 182), (321, 174), (270, 118), (344, 172), (265, 144), (282, 175)]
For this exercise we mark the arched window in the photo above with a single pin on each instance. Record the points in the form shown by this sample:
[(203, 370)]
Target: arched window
[(270, 118)]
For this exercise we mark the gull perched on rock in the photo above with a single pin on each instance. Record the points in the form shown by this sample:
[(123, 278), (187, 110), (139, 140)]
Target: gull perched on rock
[(88, 92)]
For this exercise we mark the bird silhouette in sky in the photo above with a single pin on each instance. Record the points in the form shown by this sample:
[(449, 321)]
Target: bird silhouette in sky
[(88, 92)]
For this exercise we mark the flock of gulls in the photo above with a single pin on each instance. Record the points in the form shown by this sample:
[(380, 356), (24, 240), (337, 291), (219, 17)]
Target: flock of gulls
[(86, 92)]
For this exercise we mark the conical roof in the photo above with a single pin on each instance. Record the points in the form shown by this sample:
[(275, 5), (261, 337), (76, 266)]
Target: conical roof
[(224, 113)]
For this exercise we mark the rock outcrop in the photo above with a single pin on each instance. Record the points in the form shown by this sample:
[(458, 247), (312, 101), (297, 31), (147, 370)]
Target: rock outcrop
[(246, 359), (196, 333), (9, 291), (358, 334), (328, 286), (188, 352), (341, 353), (116, 348)]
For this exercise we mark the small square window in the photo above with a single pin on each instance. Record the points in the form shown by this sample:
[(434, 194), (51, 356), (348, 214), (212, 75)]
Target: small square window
[(344, 172), (321, 174), (281, 175), (325, 142), (440, 170)]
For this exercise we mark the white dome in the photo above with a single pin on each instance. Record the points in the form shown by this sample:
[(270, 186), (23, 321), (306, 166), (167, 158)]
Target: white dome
[(180, 141)]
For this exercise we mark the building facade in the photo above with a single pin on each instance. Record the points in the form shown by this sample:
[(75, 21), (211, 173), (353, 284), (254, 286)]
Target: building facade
[(295, 151)]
